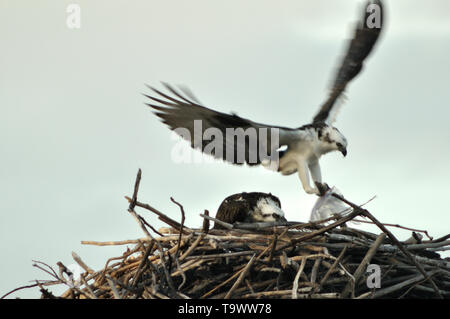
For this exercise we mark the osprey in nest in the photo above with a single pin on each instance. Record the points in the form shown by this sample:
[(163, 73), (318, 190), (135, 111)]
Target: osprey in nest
[(250, 208), (287, 150)]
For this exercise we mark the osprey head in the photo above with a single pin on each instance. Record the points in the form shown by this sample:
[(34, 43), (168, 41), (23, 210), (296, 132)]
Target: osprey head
[(267, 210), (332, 140)]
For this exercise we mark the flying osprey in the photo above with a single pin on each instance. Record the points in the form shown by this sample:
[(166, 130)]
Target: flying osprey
[(249, 208), (292, 149)]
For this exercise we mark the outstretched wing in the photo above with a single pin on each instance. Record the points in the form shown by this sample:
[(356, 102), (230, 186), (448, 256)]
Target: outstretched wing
[(365, 37), (224, 136)]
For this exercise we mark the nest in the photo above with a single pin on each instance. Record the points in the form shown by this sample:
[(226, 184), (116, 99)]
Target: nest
[(325, 259)]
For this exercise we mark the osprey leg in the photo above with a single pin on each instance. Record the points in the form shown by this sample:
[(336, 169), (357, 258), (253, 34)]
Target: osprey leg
[(303, 174)]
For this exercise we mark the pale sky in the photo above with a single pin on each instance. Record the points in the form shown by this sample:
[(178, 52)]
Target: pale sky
[(74, 129)]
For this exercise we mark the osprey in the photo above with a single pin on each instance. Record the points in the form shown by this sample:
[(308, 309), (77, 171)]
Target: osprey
[(296, 149), (250, 208)]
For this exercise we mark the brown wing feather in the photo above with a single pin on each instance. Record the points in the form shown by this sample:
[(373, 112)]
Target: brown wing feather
[(359, 48), (180, 111)]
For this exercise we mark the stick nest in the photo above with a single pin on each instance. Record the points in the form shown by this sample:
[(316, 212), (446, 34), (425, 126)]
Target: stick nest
[(294, 260)]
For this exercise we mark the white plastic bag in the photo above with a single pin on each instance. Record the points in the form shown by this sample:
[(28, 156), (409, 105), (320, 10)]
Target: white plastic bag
[(327, 206)]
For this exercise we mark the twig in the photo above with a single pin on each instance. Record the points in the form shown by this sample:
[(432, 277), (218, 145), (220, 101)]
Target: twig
[(385, 291), (223, 283), (221, 223), (396, 225), (113, 287), (192, 247), (225, 255), (144, 261), (331, 269), (52, 273), (114, 243), (297, 277), (205, 226), (181, 226), (315, 268), (88, 287), (322, 230), (240, 278), (161, 216), (80, 262), (362, 266), (136, 190), (17, 289)]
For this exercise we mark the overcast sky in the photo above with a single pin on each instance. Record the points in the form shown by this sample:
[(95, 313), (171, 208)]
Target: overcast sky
[(74, 129)]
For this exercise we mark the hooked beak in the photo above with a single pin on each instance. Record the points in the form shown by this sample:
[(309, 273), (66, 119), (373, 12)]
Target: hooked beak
[(343, 150)]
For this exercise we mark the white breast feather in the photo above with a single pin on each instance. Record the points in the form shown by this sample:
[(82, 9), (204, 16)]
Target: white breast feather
[(268, 207)]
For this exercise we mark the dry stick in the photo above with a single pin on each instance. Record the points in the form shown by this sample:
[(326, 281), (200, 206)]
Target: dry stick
[(103, 272), (88, 287), (181, 226), (136, 190), (441, 238), (205, 226), (187, 266), (241, 277), (45, 293), (272, 248), (113, 287), (64, 270), (316, 223), (166, 272), (322, 230), (213, 256), (223, 283), (192, 247), (245, 226), (259, 225), (393, 238), (133, 203), (169, 221), (382, 292), (264, 252), (81, 263), (362, 266), (411, 288), (238, 292), (277, 293), (138, 218), (151, 227), (317, 263), (336, 262), (183, 275), (428, 245), (19, 288), (144, 261), (53, 273), (396, 225), (249, 286), (112, 243), (215, 220), (297, 277)]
